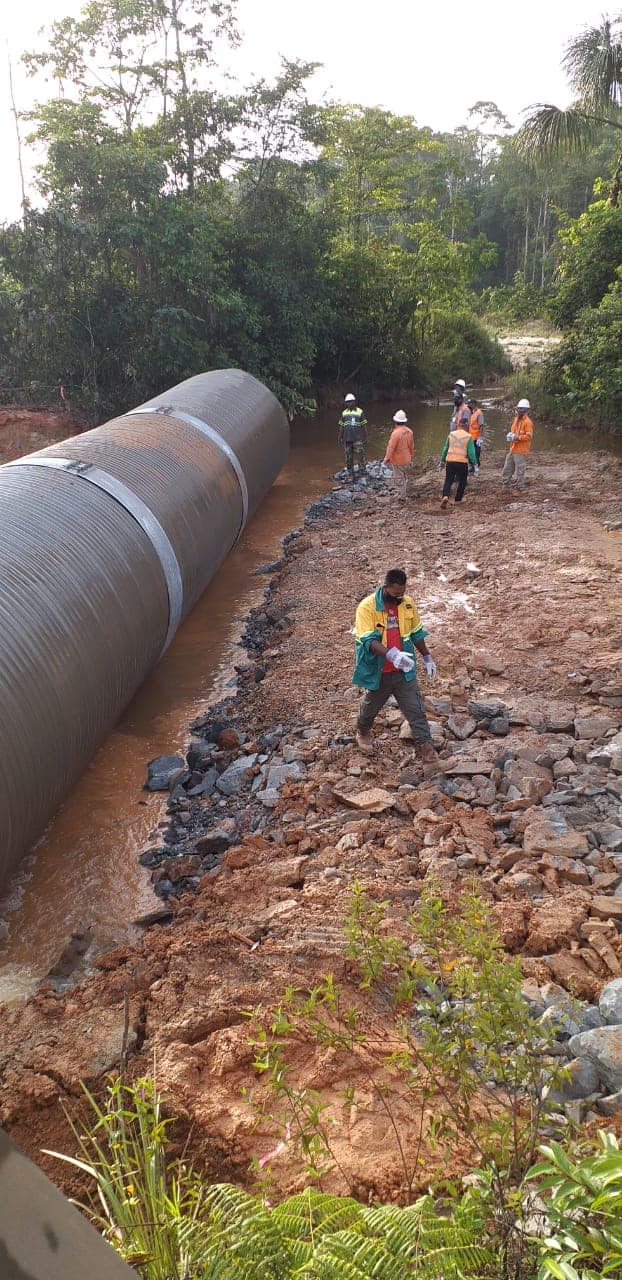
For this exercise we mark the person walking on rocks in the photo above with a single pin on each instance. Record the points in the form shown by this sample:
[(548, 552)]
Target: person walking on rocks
[(458, 452), (519, 438), (353, 435), (400, 451), (388, 630)]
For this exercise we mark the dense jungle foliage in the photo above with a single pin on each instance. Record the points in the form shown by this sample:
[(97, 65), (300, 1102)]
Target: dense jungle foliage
[(183, 222)]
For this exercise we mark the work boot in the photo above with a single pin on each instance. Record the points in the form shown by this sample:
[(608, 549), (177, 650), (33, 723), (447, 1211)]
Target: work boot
[(444, 502), (428, 757), (363, 742)]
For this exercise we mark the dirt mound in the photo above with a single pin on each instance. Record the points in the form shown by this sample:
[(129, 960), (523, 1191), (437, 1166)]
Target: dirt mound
[(26, 430)]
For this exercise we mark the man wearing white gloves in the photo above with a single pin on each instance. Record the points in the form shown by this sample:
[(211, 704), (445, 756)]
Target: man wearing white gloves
[(388, 630), (519, 438)]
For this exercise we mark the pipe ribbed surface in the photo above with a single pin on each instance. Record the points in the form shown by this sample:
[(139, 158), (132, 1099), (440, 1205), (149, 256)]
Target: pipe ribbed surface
[(106, 542)]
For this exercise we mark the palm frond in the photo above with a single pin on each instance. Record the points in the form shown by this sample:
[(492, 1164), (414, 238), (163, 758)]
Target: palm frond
[(593, 62), (550, 130)]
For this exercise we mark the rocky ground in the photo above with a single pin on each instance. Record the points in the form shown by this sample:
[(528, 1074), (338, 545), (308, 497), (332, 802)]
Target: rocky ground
[(274, 814)]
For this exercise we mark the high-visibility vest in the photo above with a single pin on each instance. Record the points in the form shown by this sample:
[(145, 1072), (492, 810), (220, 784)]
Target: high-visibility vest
[(458, 446), (476, 423)]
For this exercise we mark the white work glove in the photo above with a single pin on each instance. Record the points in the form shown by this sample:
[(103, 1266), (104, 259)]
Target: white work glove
[(476, 471), (401, 661), (511, 436), (430, 666), (481, 442)]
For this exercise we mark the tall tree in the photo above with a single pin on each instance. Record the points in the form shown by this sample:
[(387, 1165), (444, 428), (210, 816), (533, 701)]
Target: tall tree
[(593, 61)]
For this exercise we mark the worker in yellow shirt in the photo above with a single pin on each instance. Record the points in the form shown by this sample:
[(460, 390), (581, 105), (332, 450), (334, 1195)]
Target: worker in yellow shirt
[(519, 438)]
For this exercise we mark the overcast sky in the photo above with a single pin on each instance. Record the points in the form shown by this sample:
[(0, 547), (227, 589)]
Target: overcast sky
[(431, 59)]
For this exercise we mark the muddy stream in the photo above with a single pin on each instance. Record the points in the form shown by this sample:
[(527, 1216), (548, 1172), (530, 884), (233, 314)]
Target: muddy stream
[(85, 868)]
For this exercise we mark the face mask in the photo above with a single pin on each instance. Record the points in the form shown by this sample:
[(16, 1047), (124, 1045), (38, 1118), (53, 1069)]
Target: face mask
[(389, 599)]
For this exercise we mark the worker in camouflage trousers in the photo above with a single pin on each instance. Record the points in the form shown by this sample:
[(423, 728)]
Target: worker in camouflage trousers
[(353, 435)]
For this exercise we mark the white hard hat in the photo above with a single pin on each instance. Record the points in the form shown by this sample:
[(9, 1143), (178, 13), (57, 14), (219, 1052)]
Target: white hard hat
[(460, 383), (523, 404), (400, 416), (350, 399)]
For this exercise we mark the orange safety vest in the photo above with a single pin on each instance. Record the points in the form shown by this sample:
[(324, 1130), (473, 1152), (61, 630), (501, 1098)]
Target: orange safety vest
[(476, 424), (523, 428), (458, 446)]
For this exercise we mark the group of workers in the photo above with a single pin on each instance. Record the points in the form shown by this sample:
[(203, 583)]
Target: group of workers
[(388, 630), (461, 452)]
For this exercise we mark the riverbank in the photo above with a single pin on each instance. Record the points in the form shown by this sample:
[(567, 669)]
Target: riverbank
[(270, 822)]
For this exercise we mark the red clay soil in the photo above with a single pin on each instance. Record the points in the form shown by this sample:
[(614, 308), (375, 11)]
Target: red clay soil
[(522, 603), (26, 430)]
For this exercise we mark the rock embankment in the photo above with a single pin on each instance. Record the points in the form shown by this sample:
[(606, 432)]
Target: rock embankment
[(526, 350), (273, 814)]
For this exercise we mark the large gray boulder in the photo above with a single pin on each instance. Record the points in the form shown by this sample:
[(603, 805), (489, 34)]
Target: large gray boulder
[(603, 1047), (610, 1003)]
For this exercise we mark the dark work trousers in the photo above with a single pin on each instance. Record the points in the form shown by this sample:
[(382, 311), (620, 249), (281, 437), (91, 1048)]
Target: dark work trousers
[(408, 698), (455, 471)]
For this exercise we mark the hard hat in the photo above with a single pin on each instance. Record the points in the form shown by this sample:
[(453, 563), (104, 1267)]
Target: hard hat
[(523, 404), (400, 416), (460, 383), (350, 399)]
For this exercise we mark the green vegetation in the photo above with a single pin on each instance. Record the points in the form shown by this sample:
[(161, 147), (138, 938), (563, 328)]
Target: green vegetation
[(469, 1064), (581, 381), (583, 1197), (468, 1043), (181, 223), (162, 1220)]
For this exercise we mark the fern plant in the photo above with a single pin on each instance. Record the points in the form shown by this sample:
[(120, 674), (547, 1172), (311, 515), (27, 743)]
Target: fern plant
[(314, 1236)]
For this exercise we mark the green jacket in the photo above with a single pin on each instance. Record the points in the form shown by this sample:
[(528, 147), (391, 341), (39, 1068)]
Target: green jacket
[(371, 624)]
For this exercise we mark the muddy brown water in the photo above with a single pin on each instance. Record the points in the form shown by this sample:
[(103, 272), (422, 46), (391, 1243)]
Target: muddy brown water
[(85, 869)]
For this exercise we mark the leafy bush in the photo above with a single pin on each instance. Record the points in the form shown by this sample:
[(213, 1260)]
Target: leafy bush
[(467, 1054), (581, 381), (513, 303), (589, 265), (456, 339), (583, 1205)]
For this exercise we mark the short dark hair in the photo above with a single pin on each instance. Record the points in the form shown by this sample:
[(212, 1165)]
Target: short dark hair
[(395, 575)]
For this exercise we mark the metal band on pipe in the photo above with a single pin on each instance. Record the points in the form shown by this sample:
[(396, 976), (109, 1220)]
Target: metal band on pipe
[(140, 512), (212, 434)]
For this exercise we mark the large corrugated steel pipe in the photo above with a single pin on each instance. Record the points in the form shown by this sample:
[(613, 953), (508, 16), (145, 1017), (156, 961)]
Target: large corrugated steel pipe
[(106, 542)]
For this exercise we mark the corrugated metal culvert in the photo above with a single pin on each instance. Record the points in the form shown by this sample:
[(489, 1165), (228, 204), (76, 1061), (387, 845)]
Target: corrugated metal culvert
[(106, 542)]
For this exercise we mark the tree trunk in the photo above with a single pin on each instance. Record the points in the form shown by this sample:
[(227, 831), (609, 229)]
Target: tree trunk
[(19, 137), (186, 105), (526, 243)]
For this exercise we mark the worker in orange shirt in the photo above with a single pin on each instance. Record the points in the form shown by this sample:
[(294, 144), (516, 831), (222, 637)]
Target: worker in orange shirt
[(519, 438), (400, 451), (476, 429)]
